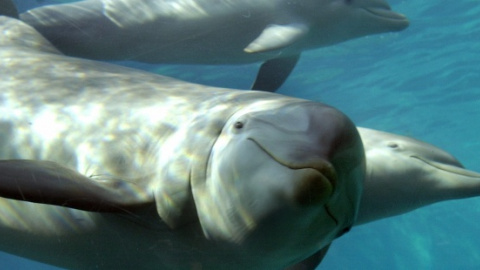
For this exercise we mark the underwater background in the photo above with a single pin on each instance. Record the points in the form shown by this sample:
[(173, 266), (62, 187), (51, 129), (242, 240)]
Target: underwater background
[(422, 82)]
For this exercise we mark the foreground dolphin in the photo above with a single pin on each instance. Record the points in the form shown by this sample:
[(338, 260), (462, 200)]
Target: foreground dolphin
[(73, 238), (275, 32), (155, 173), (404, 174)]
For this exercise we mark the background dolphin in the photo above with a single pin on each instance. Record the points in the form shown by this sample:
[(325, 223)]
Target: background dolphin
[(404, 174), (154, 173), (274, 32)]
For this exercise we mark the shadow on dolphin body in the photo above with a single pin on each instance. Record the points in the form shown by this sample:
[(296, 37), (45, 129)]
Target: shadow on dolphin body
[(128, 169), (274, 32)]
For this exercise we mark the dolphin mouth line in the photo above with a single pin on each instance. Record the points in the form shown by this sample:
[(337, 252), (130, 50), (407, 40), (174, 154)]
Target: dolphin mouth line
[(272, 156), (448, 168), (386, 12), (332, 181), (323, 168), (332, 216), (293, 167)]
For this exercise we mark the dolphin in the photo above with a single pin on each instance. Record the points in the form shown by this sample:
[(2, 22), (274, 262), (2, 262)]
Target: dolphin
[(27, 229), (404, 174), (274, 32), (113, 168)]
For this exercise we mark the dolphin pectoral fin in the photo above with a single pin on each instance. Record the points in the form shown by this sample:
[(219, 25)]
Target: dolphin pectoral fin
[(274, 72), (48, 182), (277, 36), (8, 8), (312, 262)]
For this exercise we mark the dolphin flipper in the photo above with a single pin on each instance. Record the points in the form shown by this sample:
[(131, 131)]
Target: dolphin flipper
[(277, 36), (48, 182), (7, 8), (274, 72)]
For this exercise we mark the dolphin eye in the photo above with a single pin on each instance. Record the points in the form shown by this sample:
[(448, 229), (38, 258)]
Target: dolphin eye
[(238, 125), (392, 145)]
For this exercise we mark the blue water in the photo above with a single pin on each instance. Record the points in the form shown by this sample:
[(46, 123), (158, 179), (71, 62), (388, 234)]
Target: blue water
[(422, 82)]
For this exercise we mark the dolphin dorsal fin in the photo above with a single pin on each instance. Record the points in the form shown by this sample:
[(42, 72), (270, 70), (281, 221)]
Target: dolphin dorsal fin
[(16, 33)]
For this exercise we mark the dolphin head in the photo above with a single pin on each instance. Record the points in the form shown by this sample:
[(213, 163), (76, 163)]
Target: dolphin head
[(282, 175), (340, 20), (404, 174), (388, 144)]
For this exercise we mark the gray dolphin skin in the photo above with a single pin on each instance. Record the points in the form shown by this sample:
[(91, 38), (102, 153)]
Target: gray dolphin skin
[(274, 32), (111, 168), (404, 174)]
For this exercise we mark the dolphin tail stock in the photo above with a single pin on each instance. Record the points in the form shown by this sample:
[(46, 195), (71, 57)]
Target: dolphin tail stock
[(48, 182), (8, 8)]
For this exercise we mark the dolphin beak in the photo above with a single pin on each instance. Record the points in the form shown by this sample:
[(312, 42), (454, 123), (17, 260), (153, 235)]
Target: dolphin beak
[(300, 161), (314, 137), (318, 179), (384, 13), (449, 168), (450, 181)]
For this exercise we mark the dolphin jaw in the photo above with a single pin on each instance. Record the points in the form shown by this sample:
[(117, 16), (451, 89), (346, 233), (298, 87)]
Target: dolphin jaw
[(447, 167), (314, 175), (385, 13)]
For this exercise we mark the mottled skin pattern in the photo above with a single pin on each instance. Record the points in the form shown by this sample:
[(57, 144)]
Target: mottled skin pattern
[(226, 179)]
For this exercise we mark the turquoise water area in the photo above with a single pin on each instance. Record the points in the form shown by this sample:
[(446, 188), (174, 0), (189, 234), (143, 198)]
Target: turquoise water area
[(423, 82)]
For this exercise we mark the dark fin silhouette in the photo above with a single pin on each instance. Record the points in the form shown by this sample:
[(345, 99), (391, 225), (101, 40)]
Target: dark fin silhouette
[(8, 8), (274, 72)]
